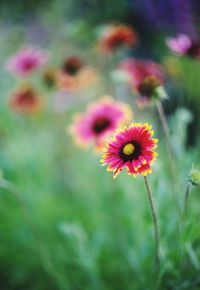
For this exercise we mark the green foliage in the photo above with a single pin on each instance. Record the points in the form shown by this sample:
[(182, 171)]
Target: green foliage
[(65, 223), (87, 230)]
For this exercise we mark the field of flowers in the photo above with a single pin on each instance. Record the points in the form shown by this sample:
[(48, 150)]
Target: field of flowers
[(99, 156)]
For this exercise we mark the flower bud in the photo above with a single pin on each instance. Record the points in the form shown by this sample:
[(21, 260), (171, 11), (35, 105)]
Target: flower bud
[(195, 176)]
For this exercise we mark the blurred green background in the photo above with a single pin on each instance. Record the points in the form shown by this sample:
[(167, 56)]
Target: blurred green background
[(64, 222)]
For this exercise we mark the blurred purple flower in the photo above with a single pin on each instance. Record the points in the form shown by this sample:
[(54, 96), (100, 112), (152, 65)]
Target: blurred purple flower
[(179, 44), (184, 45), (26, 61)]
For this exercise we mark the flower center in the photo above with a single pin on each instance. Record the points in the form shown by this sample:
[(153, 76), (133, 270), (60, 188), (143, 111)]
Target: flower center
[(49, 77), (148, 86), (116, 42), (194, 49), (128, 149), (26, 97), (100, 125), (72, 65), (29, 63)]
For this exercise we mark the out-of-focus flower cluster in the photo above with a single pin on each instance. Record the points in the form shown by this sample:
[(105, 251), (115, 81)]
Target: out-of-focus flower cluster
[(133, 146), (71, 76)]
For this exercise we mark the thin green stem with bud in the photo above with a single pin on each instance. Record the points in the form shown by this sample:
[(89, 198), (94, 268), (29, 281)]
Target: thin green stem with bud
[(156, 230)]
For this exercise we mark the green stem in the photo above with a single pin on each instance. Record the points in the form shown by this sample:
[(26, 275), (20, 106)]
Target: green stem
[(186, 197), (169, 150), (166, 134), (156, 230)]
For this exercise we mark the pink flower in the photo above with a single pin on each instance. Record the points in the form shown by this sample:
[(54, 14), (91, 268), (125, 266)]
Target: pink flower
[(99, 121), (145, 77), (26, 61), (184, 45), (131, 148)]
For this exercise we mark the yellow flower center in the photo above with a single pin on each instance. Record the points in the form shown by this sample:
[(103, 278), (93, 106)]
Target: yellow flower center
[(128, 149)]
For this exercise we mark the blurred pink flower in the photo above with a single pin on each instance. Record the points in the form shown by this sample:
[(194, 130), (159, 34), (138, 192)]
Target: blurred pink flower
[(26, 61), (99, 121), (184, 45), (144, 78)]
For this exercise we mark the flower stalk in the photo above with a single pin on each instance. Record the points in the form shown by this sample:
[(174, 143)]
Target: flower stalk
[(156, 230), (186, 198), (166, 133), (194, 180), (169, 149), (133, 148)]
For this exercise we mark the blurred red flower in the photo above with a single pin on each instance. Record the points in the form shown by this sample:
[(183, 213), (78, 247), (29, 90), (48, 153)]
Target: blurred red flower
[(25, 100), (117, 36), (145, 77)]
